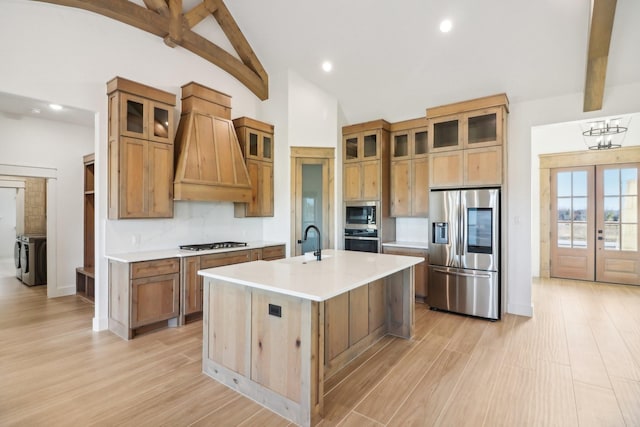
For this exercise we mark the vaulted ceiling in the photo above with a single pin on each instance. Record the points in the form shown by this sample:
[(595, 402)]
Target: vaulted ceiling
[(390, 59)]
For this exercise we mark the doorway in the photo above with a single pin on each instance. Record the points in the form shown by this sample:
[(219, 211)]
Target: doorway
[(312, 180), (593, 222)]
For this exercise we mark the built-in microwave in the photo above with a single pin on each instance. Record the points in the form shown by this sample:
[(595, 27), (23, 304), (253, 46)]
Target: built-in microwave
[(361, 215)]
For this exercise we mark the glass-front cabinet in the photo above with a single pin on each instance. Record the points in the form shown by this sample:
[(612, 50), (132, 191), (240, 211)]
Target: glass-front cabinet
[(475, 129), (256, 142), (146, 119), (362, 146)]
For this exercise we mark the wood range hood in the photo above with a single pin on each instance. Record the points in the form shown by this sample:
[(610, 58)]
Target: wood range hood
[(208, 161)]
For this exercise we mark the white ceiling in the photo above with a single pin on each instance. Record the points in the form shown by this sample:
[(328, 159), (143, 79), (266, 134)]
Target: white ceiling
[(391, 61), (16, 107), (390, 57)]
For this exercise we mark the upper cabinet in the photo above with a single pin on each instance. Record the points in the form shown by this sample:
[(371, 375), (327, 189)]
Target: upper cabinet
[(409, 168), (256, 143), (467, 142), (141, 132), (366, 161)]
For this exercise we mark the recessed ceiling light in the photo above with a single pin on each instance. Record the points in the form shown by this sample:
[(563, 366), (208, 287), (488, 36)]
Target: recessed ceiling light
[(55, 107), (327, 66), (445, 26)]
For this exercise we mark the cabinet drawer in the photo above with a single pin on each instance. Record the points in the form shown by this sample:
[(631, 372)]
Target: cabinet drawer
[(273, 252), (226, 258), (155, 268)]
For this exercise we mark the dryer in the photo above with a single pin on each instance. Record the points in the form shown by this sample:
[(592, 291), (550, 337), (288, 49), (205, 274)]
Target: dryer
[(33, 261)]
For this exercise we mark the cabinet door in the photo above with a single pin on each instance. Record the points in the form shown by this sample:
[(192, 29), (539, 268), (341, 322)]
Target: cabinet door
[(160, 180), (352, 182), (445, 133), (401, 191), (370, 145), (400, 145), (445, 169), (420, 187), (483, 166), (132, 188), (154, 299), (371, 180), (253, 207), (273, 252), (266, 189), (351, 148), (192, 285), (483, 128), (134, 116), (161, 122)]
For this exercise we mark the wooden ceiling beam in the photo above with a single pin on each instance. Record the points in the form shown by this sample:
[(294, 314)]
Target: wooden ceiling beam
[(198, 13), (174, 38), (237, 39), (154, 23), (600, 31), (158, 6)]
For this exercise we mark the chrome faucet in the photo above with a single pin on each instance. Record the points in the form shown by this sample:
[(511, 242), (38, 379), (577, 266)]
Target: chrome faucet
[(318, 251)]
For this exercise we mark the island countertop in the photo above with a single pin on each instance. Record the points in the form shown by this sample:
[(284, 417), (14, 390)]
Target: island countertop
[(304, 277)]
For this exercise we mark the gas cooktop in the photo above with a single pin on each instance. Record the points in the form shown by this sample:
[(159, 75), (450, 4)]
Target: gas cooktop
[(208, 246)]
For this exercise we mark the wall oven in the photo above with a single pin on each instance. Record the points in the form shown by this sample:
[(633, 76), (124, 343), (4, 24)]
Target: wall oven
[(361, 240)]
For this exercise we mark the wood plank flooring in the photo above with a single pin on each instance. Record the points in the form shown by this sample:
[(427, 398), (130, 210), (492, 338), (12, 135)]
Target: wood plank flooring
[(575, 363)]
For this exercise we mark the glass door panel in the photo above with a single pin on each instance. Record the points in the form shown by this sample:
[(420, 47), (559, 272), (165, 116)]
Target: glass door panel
[(420, 142), (160, 122), (572, 223), (135, 117), (311, 204), (617, 258), (481, 129), (370, 148), (400, 145), (351, 148), (266, 147), (445, 134)]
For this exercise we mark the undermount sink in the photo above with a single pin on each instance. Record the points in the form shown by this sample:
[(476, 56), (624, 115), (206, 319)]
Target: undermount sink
[(309, 257)]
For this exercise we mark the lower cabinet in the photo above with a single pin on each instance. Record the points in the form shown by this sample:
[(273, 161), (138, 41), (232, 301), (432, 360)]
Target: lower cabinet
[(191, 289), (143, 295), (421, 276)]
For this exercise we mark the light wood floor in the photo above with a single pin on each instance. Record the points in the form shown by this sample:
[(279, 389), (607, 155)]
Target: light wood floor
[(577, 362)]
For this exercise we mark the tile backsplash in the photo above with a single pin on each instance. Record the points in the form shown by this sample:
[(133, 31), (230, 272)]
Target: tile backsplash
[(412, 229)]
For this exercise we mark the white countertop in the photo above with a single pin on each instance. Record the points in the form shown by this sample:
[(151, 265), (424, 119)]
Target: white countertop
[(178, 253), (337, 273), (413, 245)]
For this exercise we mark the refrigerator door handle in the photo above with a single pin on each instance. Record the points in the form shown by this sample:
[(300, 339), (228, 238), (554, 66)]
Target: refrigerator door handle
[(456, 273), (440, 270)]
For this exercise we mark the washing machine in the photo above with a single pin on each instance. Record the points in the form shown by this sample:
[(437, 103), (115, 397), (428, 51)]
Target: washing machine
[(17, 254), (33, 261)]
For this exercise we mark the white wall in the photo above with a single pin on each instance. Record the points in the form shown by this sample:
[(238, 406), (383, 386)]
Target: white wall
[(7, 221), (560, 138), (33, 142), (522, 118)]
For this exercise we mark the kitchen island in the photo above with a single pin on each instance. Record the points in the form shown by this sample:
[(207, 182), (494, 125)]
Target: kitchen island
[(274, 331)]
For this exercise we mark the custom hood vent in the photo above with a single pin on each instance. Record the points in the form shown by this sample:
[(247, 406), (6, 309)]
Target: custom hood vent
[(208, 162)]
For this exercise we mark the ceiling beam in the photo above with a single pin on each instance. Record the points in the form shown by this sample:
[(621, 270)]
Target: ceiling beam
[(600, 30), (174, 38), (158, 6), (249, 73), (237, 39), (199, 12)]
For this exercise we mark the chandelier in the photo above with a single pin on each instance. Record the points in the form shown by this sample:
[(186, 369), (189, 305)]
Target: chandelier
[(600, 134)]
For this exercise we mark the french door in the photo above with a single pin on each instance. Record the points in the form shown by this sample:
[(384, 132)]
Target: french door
[(594, 223)]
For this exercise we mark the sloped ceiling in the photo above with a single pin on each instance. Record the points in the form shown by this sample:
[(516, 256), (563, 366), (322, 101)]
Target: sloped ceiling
[(391, 61)]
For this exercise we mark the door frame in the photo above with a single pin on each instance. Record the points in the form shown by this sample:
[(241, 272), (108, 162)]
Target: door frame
[(324, 156), (566, 160)]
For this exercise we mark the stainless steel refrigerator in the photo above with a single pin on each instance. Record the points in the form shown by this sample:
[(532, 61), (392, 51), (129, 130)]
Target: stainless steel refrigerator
[(464, 251)]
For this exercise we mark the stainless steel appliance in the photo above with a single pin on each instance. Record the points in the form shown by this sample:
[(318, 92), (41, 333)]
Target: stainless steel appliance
[(33, 260), (464, 253), (17, 254), (208, 246), (361, 215), (362, 240)]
